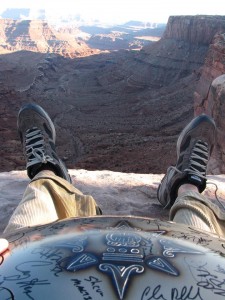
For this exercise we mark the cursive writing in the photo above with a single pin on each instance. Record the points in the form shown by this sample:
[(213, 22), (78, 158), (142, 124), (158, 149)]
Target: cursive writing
[(78, 284), (25, 269), (52, 255), (197, 239), (27, 286), (95, 284), (184, 293), (211, 282)]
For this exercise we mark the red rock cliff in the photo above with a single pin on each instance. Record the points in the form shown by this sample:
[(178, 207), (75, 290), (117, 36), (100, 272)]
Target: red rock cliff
[(39, 36), (209, 94), (194, 29)]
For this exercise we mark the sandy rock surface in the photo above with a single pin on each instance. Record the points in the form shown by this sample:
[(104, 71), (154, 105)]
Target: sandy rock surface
[(116, 193)]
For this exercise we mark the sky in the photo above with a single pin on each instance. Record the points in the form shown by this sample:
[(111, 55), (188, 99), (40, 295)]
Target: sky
[(118, 11)]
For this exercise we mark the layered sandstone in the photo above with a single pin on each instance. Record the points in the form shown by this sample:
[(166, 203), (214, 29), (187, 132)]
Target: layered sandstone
[(194, 29), (40, 36), (213, 67), (209, 95), (216, 108)]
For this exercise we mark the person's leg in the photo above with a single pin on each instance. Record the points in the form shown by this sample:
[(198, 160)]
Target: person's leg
[(186, 215), (183, 184), (50, 196), (192, 208)]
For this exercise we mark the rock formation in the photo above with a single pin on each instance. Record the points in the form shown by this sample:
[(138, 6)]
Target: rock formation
[(121, 110), (39, 36), (197, 30), (213, 67), (214, 106), (129, 36), (209, 94)]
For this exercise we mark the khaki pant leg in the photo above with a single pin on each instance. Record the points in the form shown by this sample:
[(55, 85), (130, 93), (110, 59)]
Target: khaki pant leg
[(49, 198), (194, 209)]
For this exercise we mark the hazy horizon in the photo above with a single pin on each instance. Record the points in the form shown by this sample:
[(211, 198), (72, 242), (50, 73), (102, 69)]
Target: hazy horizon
[(117, 11)]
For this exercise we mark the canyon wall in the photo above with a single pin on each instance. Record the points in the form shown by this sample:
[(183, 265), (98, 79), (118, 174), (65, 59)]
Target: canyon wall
[(194, 29), (202, 39), (215, 107), (39, 36), (182, 49), (119, 110), (209, 93)]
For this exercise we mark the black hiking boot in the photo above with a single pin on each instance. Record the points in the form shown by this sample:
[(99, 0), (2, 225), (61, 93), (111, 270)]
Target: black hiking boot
[(194, 147), (37, 134)]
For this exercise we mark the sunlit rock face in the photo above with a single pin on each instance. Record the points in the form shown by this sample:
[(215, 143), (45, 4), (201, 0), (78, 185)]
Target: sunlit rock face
[(40, 36)]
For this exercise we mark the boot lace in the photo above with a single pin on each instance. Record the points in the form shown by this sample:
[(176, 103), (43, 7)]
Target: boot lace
[(34, 148), (199, 159), (197, 163)]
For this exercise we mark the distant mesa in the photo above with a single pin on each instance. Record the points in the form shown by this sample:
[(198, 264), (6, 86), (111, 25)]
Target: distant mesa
[(18, 33), (142, 24)]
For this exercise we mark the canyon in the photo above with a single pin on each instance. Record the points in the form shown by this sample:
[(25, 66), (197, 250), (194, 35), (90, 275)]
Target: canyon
[(118, 110)]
